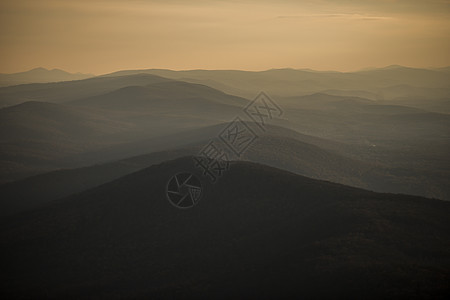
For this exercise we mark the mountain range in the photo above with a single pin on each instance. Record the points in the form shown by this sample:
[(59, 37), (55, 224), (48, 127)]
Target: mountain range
[(39, 136), (293, 82), (342, 193)]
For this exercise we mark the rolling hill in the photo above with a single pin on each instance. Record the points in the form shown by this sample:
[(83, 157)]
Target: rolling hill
[(258, 233), (58, 92), (153, 94)]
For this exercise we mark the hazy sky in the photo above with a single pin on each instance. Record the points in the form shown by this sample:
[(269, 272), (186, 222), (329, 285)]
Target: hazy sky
[(100, 36)]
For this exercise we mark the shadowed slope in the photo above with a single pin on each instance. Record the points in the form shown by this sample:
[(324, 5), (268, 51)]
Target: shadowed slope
[(259, 232)]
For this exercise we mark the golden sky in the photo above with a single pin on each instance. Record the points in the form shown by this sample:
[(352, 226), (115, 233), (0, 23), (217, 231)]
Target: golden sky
[(100, 36)]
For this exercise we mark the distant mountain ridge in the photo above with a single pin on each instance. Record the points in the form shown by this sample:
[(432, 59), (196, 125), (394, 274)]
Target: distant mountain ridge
[(40, 75), (383, 84), (65, 91), (293, 82)]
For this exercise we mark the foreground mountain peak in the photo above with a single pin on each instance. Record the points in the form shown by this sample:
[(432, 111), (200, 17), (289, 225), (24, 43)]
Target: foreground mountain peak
[(259, 232)]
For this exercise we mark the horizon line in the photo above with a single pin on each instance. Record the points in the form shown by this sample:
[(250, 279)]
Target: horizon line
[(240, 70)]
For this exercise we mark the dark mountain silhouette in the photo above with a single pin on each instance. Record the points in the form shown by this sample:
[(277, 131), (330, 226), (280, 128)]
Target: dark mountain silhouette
[(40, 75), (258, 233)]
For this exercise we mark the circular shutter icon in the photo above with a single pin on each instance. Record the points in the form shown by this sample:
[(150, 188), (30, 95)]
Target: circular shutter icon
[(184, 190)]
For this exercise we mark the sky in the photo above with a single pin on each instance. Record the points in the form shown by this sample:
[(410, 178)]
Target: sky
[(102, 36)]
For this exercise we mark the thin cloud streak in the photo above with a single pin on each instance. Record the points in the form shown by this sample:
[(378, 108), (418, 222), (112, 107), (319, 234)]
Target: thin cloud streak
[(337, 16)]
